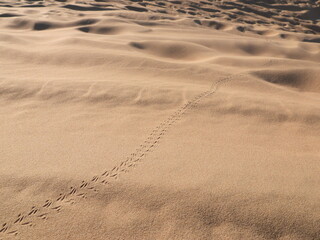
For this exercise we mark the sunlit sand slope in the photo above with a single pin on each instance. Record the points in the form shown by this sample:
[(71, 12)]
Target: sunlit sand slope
[(160, 119)]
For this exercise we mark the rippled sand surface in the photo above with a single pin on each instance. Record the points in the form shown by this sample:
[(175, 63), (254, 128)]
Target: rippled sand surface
[(136, 119)]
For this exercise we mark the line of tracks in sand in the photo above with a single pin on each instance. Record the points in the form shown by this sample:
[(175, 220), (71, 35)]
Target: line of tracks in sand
[(91, 187)]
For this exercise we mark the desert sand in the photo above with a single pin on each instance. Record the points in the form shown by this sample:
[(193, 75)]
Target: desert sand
[(140, 119)]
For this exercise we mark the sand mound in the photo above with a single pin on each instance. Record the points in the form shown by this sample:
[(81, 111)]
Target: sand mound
[(302, 79), (173, 50), (113, 26), (312, 14), (214, 24)]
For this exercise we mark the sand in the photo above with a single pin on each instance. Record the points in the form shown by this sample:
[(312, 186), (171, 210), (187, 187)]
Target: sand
[(136, 119)]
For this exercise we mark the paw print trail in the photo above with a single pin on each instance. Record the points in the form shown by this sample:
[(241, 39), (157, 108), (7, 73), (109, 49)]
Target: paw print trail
[(91, 187)]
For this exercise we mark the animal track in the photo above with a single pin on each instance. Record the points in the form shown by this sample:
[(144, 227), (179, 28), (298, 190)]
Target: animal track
[(91, 187), (87, 188)]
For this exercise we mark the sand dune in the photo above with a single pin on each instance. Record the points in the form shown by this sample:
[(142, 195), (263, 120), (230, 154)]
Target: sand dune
[(138, 119)]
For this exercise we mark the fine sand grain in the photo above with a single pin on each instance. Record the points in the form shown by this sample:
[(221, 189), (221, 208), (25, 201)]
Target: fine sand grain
[(140, 119)]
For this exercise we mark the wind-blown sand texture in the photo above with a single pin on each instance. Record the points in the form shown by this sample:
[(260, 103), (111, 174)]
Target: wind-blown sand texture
[(140, 119)]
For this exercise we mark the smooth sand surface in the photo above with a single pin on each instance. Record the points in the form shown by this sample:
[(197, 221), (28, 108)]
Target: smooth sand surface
[(136, 119)]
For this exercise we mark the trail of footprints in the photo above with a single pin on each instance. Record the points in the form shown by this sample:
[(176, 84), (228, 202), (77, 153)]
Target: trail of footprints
[(91, 187)]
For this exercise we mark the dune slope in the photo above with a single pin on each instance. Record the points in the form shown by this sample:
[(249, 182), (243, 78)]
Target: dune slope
[(139, 119)]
